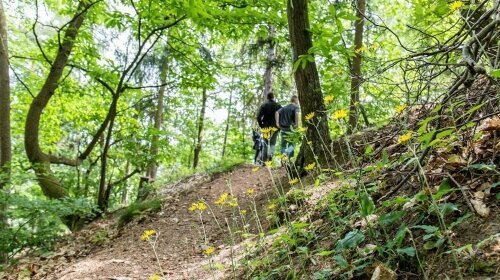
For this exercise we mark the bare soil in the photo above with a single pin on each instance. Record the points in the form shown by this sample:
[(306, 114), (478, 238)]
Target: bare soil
[(100, 251)]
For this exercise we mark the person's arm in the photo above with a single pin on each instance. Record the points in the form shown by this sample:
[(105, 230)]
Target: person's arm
[(277, 117), (259, 116), (297, 118)]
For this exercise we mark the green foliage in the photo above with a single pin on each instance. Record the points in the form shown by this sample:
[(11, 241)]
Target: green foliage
[(134, 210), (36, 222)]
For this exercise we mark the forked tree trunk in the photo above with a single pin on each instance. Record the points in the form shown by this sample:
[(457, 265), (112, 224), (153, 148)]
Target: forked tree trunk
[(308, 87), (356, 65), (158, 120), (5, 141), (199, 138), (40, 161)]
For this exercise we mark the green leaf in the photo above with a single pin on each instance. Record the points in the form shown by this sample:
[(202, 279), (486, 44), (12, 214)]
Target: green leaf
[(350, 240), (426, 228), (444, 188), (423, 124), (325, 253), (429, 245), (341, 261), (300, 225), (495, 73), (369, 150), (390, 218), (409, 251), (367, 205)]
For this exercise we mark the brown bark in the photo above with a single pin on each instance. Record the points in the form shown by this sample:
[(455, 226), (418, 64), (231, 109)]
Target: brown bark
[(271, 58), (356, 65), (308, 87), (40, 160), (5, 141), (201, 121), (226, 130), (104, 190), (158, 120)]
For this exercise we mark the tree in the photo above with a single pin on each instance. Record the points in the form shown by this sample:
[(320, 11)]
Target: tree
[(158, 119), (40, 160), (201, 121), (356, 65), (308, 86), (5, 141)]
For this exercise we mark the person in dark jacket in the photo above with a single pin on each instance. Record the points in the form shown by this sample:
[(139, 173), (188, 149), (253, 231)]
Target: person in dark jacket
[(287, 118), (267, 122)]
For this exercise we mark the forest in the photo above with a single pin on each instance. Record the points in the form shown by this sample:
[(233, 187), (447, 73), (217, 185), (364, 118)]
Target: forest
[(135, 142)]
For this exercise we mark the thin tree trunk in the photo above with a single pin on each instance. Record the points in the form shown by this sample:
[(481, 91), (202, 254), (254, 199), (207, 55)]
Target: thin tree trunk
[(226, 130), (201, 121), (308, 87), (271, 58), (124, 199), (5, 141), (356, 65), (104, 189), (40, 161), (158, 120)]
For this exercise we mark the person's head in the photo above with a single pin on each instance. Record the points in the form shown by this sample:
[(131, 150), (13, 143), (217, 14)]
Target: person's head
[(294, 99), (270, 96)]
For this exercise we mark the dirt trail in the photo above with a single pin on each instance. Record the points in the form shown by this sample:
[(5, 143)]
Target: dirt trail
[(179, 246)]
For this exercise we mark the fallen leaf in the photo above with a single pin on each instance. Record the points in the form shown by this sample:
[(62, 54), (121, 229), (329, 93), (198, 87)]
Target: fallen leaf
[(480, 208)]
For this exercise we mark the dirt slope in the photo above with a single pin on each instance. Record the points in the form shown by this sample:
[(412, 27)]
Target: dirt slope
[(125, 256)]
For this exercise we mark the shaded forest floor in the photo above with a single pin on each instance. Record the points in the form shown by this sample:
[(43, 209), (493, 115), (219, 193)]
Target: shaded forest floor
[(101, 251)]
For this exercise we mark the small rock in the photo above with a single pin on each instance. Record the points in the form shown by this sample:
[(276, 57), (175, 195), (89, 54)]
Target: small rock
[(480, 208), (382, 272), (174, 220)]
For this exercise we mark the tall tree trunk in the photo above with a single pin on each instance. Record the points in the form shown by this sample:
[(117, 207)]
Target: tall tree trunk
[(5, 141), (271, 58), (41, 161), (201, 121), (308, 87), (158, 120), (226, 130), (104, 189), (356, 65)]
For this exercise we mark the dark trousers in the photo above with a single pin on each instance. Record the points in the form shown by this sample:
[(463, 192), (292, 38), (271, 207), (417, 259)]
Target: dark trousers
[(270, 146)]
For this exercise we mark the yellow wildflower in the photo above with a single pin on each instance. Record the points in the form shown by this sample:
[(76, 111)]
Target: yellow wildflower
[(293, 181), (373, 47), (147, 234), (250, 191), (222, 199), (310, 116), (243, 212), (233, 202), (269, 163), (405, 137), (210, 250), (255, 169), (309, 143), (271, 206), (456, 5), (400, 108), (328, 99), (340, 114), (197, 206), (310, 166), (155, 277)]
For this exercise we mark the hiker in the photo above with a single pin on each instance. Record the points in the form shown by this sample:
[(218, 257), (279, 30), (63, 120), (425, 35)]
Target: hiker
[(287, 118), (267, 123), (258, 146)]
